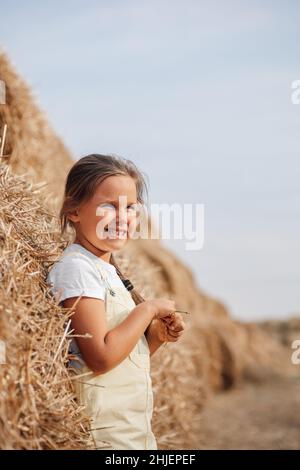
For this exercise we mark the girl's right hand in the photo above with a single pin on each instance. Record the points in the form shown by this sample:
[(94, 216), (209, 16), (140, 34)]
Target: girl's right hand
[(162, 308)]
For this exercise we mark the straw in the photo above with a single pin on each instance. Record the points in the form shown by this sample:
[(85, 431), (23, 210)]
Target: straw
[(2, 140)]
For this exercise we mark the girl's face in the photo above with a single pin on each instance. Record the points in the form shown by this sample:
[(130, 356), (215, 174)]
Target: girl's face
[(108, 218)]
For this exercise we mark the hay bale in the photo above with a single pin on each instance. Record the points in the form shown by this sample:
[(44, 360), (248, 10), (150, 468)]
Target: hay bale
[(31, 146), (284, 331), (37, 407)]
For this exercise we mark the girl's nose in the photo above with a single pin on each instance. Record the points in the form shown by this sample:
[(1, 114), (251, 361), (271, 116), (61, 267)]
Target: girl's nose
[(122, 217)]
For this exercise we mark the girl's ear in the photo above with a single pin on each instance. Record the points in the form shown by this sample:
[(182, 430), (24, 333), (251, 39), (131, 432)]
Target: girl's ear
[(73, 216)]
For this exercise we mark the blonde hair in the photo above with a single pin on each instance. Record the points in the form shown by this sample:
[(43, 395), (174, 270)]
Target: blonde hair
[(83, 178)]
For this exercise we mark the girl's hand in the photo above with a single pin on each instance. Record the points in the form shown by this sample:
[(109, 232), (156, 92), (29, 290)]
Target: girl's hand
[(170, 331), (162, 308)]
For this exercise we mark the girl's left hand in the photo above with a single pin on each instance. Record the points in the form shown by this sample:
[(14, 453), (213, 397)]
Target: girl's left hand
[(172, 329)]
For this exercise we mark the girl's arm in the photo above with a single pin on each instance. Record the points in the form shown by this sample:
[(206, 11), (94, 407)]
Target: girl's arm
[(107, 348)]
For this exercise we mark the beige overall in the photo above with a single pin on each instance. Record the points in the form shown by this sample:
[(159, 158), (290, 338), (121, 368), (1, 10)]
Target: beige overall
[(120, 401)]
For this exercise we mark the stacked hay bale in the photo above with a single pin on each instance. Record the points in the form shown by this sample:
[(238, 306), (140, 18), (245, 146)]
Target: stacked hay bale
[(38, 408), (31, 146), (285, 331)]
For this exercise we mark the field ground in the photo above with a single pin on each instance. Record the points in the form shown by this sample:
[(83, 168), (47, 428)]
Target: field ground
[(253, 416)]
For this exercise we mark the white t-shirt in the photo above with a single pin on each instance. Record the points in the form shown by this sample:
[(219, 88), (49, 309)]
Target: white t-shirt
[(76, 275)]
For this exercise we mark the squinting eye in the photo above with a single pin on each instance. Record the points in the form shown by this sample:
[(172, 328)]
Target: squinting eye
[(107, 206), (132, 208)]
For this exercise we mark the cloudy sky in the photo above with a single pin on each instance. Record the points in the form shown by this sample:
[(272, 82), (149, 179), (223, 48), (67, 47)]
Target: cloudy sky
[(198, 95)]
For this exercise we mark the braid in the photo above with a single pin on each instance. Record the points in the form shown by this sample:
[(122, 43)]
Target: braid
[(137, 298)]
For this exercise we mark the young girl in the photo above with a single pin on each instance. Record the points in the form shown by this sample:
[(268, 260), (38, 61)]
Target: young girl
[(100, 203)]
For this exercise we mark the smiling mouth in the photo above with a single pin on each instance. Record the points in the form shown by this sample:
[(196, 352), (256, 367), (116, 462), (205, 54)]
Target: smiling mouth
[(116, 233)]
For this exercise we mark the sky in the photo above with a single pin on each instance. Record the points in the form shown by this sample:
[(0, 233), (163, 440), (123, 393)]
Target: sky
[(198, 95)]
